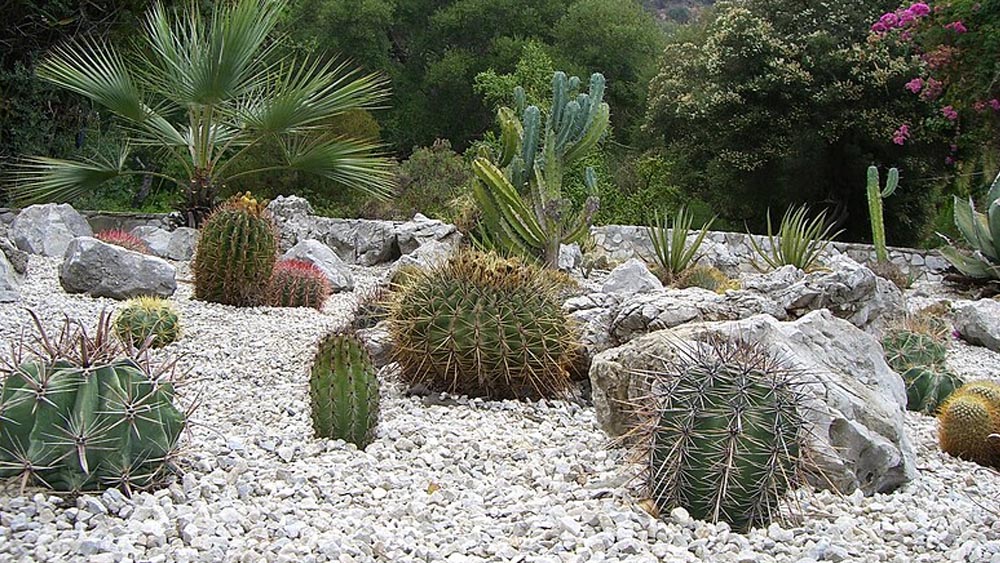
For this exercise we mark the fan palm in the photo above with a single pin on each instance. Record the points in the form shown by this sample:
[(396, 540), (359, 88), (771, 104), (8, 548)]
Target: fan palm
[(205, 91)]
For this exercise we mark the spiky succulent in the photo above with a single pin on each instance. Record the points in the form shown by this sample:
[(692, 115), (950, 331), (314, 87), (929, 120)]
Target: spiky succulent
[(236, 253), (905, 349), (927, 387), (483, 326), (343, 391), (919, 357), (981, 232), (297, 283), (149, 320), (373, 307), (81, 415), (969, 423), (123, 239), (725, 432), (671, 251)]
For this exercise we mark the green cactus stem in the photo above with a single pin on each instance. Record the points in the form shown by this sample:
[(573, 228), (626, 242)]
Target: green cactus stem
[(875, 196), (343, 391)]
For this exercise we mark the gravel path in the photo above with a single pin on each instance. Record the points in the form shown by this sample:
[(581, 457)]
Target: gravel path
[(482, 481)]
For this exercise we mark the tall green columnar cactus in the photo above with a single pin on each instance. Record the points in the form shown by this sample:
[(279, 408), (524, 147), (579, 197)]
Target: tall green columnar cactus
[(875, 196), (343, 391), (982, 232), (520, 189), (82, 417)]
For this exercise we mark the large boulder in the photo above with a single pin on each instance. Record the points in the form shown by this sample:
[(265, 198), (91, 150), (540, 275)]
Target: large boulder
[(421, 230), (104, 270), (362, 242), (9, 281), (178, 244), (978, 322), (293, 216), (854, 403), (631, 277), (320, 255), (48, 229)]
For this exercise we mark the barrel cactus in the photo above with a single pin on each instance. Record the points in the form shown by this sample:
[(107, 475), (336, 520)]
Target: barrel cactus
[(297, 283), (236, 253), (969, 423), (927, 387), (343, 391), (725, 433), (147, 320), (905, 349), (82, 416), (919, 357), (483, 326), (123, 239)]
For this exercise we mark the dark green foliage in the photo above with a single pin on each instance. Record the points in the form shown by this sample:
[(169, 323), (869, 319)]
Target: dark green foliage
[(236, 253), (83, 417), (343, 391), (147, 319), (483, 326), (430, 181), (726, 433)]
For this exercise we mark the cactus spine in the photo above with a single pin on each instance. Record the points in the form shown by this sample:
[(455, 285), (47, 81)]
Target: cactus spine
[(532, 161), (123, 239), (969, 423), (147, 319), (343, 391), (85, 418), (236, 253), (297, 283), (920, 359), (875, 196), (726, 433)]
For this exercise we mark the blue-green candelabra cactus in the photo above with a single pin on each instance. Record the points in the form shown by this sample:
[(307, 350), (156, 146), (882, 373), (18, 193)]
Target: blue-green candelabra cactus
[(532, 161), (875, 196)]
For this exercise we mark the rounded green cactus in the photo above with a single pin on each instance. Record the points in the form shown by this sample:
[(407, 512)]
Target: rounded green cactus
[(85, 418), (726, 433), (297, 283), (928, 387), (343, 391), (905, 349), (236, 253), (969, 423), (483, 326), (149, 320)]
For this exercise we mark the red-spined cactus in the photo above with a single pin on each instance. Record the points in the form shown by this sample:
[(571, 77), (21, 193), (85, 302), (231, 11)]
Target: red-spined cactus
[(297, 283), (123, 239)]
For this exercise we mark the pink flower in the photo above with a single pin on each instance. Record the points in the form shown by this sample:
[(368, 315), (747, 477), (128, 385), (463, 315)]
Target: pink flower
[(954, 148), (979, 106), (889, 19), (949, 160), (956, 26), (920, 9), (905, 36), (949, 112), (994, 104), (899, 136), (879, 27), (915, 85), (932, 89)]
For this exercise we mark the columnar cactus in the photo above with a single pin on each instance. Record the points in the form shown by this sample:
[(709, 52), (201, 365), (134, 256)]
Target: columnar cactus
[(969, 423), (725, 433), (875, 196), (123, 239), (83, 417), (149, 320), (236, 253), (532, 161), (297, 283), (483, 326), (343, 391)]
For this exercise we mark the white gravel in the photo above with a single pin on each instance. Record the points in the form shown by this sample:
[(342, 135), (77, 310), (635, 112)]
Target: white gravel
[(481, 481)]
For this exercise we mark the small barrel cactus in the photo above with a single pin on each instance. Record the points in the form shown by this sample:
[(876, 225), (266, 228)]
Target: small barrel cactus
[(483, 326), (905, 349), (149, 320), (84, 417), (123, 239), (725, 433), (928, 386), (706, 277), (969, 423), (236, 253), (297, 283), (343, 391)]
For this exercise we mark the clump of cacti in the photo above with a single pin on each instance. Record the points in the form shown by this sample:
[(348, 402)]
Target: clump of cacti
[(920, 359), (147, 320), (876, 193), (483, 326), (725, 432), (83, 416), (236, 253), (123, 239), (343, 391), (297, 283), (969, 423), (706, 277)]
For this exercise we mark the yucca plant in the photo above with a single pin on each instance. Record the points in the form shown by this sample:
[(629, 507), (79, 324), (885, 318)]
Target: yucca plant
[(671, 251), (982, 233), (204, 91), (800, 241)]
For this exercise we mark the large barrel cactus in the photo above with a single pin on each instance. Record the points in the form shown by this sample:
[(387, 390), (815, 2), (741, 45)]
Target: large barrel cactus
[(483, 326), (725, 433), (343, 391), (236, 253), (148, 320), (82, 417), (969, 423)]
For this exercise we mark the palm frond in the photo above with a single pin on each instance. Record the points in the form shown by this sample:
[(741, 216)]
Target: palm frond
[(41, 179)]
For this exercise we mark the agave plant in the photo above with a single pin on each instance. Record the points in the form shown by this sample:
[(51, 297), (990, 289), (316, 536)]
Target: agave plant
[(800, 241), (982, 232), (203, 92), (670, 249)]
